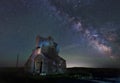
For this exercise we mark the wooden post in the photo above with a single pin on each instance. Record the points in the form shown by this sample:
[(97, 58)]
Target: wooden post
[(17, 61)]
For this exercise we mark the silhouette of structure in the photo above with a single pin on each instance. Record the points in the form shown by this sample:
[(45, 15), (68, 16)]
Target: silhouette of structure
[(17, 61), (44, 58)]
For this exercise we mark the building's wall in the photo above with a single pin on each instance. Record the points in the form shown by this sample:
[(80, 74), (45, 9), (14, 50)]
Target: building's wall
[(49, 66)]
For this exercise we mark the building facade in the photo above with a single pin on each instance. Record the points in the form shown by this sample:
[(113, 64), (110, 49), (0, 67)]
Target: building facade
[(44, 59)]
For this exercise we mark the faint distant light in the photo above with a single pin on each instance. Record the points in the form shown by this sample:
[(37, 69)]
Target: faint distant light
[(79, 65)]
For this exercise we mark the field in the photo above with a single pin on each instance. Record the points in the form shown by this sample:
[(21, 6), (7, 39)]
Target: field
[(72, 75)]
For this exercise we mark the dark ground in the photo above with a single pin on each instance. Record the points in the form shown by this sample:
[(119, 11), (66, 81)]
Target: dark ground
[(73, 75)]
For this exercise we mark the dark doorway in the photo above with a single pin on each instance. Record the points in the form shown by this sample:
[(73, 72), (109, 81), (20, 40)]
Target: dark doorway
[(41, 66)]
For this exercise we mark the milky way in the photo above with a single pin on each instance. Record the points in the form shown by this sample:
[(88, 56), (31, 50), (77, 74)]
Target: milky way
[(86, 30), (100, 36)]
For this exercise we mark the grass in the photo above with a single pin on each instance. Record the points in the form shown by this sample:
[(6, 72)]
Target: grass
[(73, 75)]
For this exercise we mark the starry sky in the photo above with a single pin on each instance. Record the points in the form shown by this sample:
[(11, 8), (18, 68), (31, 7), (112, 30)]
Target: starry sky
[(87, 31)]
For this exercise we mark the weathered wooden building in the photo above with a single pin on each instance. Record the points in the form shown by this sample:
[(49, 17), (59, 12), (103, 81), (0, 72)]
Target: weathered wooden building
[(44, 58)]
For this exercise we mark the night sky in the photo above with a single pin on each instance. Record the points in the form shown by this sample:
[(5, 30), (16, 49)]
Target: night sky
[(87, 31)]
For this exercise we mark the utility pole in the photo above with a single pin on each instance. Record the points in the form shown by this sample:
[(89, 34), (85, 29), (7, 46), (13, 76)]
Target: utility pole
[(17, 61)]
